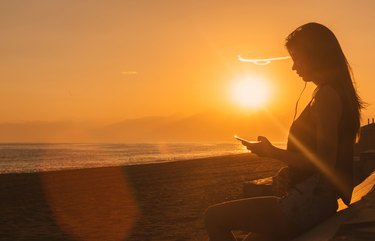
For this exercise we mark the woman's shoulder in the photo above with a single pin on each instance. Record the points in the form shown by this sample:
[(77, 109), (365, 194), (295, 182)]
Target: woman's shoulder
[(326, 94), (327, 101)]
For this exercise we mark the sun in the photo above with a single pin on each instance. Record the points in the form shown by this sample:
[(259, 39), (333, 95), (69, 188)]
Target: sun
[(251, 92)]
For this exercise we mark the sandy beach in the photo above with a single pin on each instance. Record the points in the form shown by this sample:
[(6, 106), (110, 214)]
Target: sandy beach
[(163, 201)]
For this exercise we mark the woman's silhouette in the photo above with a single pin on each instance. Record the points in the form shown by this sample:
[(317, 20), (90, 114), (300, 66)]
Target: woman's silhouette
[(319, 152)]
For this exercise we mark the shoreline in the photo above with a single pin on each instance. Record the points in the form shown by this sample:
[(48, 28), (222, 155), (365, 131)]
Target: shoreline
[(153, 201), (161, 161)]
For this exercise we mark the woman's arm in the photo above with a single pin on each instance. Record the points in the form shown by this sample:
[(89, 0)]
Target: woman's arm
[(266, 149), (327, 108)]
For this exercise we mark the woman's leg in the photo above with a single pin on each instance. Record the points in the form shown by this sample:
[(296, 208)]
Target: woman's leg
[(258, 215)]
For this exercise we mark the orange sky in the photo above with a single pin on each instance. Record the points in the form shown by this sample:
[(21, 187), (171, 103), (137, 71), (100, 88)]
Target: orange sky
[(106, 61)]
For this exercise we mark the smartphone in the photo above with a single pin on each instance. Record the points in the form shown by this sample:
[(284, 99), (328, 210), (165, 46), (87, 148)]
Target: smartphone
[(246, 141)]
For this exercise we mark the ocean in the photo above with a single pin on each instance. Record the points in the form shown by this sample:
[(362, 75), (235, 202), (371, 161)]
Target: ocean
[(26, 158)]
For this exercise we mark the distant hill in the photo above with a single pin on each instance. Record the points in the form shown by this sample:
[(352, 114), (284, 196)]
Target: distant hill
[(208, 126)]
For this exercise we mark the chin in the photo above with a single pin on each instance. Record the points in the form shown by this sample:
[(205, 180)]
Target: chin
[(306, 80)]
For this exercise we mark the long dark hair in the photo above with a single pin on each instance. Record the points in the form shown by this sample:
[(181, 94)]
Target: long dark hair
[(320, 46)]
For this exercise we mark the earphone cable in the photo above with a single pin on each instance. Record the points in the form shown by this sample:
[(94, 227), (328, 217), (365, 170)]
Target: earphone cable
[(300, 95)]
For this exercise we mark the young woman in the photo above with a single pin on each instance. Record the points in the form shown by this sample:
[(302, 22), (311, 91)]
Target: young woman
[(319, 151)]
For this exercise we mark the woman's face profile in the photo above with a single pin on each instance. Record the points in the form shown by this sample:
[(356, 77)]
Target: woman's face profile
[(300, 65), (304, 67)]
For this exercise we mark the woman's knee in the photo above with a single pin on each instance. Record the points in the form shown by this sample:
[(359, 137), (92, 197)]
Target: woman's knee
[(210, 215), (215, 215)]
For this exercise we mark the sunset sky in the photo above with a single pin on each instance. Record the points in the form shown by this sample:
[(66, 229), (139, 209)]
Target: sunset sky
[(107, 61)]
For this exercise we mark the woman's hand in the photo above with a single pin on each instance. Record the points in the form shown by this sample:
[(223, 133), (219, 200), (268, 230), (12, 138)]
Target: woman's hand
[(263, 148)]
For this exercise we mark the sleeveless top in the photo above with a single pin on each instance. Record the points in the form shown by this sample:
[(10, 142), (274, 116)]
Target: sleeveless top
[(302, 133)]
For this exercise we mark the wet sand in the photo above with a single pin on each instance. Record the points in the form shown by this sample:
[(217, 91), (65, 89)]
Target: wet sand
[(163, 201)]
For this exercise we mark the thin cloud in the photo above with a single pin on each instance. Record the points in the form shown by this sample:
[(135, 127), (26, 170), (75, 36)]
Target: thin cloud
[(129, 72), (262, 61)]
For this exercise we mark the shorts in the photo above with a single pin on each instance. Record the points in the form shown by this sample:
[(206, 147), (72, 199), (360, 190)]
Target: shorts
[(308, 204)]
